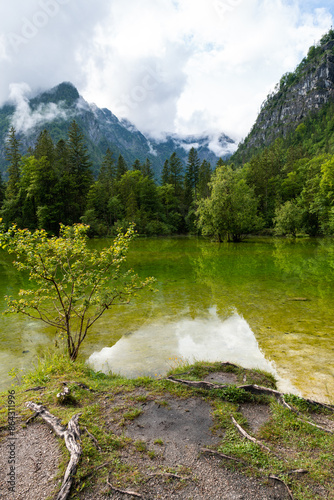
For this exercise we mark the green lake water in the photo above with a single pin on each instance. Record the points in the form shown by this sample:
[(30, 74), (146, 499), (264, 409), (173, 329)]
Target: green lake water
[(229, 302)]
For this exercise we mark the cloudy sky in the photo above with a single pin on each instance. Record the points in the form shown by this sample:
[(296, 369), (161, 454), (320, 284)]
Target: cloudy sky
[(184, 66)]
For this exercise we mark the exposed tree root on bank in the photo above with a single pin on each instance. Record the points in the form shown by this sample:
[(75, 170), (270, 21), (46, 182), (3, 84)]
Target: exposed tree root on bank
[(275, 478), (222, 455), (250, 438), (124, 492), (71, 435), (252, 388)]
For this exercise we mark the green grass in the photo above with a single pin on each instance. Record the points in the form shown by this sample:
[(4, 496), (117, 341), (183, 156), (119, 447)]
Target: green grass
[(102, 399)]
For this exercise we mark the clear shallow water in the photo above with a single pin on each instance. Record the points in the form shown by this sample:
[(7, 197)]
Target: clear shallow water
[(216, 302)]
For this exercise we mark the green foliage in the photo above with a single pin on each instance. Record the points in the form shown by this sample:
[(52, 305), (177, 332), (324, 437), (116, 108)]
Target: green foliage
[(231, 210), (288, 219), (74, 286)]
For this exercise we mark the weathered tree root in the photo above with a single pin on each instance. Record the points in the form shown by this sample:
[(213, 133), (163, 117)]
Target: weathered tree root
[(250, 438), (93, 438), (196, 384), (275, 478), (168, 474), (303, 420), (124, 492), (252, 388), (39, 388), (71, 435), (222, 455)]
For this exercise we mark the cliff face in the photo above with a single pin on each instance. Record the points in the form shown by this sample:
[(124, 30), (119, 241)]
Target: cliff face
[(298, 95)]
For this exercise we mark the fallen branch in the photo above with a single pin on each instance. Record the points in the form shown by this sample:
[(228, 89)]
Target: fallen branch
[(250, 438), (124, 492), (222, 455), (71, 435), (286, 486)]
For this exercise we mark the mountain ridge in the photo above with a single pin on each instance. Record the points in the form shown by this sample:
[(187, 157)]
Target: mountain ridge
[(55, 108)]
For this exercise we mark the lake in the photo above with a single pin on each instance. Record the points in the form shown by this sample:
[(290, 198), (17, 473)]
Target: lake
[(265, 303)]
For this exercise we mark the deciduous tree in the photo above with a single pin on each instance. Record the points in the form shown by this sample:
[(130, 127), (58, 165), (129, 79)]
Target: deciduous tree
[(74, 285)]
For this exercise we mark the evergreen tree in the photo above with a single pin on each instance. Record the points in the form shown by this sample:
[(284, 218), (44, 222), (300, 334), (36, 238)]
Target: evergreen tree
[(121, 167), (44, 147), (79, 172), (107, 172), (13, 156), (220, 163), (176, 174), (39, 194), (204, 177), (191, 176), (165, 174), (136, 165), (2, 191), (147, 169)]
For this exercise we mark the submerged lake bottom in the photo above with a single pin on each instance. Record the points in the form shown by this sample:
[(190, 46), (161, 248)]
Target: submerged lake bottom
[(265, 303)]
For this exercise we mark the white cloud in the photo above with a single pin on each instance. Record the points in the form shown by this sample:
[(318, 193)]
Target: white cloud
[(24, 118), (184, 66)]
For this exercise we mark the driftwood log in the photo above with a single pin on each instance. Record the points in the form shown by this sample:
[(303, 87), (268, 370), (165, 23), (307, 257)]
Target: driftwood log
[(71, 435)]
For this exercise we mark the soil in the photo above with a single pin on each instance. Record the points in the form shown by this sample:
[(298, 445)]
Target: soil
[(37, 460), (165, 452)]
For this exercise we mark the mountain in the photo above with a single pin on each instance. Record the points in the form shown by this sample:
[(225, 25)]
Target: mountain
[(55, 109), (298, 96)]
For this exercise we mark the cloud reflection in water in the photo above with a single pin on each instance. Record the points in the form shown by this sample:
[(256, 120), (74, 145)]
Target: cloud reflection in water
[(155, 348)]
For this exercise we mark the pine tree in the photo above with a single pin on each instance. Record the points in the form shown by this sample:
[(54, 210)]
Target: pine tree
[(220, 163), (204, 177), (165, 174), (136, 165), (147, 169), (107, 172), (176, 175), (13, 156), (44, 147), (2, 190), (79, 171), (191, 176), (121, 168)]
